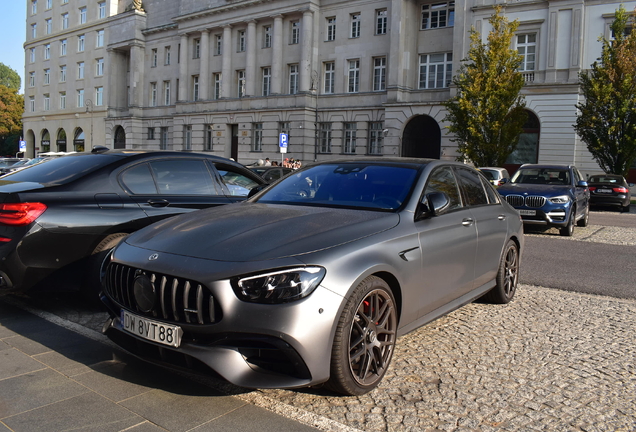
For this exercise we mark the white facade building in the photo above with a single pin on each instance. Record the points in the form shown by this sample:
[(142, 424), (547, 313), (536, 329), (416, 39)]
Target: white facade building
[(344, 78)]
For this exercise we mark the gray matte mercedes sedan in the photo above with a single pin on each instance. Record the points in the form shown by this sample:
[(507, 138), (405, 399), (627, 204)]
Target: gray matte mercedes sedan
[(312, 279)]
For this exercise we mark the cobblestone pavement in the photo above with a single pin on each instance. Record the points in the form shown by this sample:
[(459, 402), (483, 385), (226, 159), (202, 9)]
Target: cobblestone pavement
[(549, 361)]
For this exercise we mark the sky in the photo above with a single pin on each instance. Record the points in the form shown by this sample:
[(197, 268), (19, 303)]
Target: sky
[(13, 35)]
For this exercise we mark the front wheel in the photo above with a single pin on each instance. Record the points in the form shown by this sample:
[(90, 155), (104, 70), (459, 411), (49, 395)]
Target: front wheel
[(585, 220), (568, 230), (365, 339), (507, 276)]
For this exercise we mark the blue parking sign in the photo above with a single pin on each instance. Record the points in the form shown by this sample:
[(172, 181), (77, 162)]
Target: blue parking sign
[(22, 145), (283, 140)]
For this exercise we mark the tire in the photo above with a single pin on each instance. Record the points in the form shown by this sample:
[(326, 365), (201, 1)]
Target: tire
[(568, 230), (507, 276), (95, 268), (625, 209), (365, 339), (585, 220)]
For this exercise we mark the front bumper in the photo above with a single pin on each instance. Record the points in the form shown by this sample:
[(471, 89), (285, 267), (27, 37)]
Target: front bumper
[(557, 217)]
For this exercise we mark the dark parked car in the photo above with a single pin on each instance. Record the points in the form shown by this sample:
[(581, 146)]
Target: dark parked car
[(292, 289), (58, 219), (549, 196), (271, 173), (609, 190)]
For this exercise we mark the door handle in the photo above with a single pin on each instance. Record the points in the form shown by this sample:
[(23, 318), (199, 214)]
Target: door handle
[(501, 217), (468, 221), (158, 203)]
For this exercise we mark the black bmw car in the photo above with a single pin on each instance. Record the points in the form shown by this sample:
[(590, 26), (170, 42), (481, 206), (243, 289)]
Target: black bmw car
[(59, 219)]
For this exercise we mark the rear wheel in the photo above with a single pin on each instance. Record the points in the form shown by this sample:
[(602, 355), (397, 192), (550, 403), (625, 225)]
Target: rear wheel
[(568, 230), (625, 208), (507, 276), (97, 266), (365, 339)]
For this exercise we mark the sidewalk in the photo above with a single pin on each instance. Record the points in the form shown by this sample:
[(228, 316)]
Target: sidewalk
[(54, 379)]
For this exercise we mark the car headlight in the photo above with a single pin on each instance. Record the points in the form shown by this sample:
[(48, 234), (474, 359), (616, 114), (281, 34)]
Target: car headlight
[(280, 286), (563, 199)]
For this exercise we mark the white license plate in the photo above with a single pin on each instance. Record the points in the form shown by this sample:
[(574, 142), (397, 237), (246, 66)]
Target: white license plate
[(528, 212), (605, 191), (155, 331)]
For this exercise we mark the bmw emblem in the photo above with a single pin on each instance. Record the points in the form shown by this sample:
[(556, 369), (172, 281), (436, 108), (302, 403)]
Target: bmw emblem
[(145, 293), (153, 257)]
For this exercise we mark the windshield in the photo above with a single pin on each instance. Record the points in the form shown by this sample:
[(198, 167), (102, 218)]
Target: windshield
[(62, 169), (605, 179), (351, 185), (551, 176)]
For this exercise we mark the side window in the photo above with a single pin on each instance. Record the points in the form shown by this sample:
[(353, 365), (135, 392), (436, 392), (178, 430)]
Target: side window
[(471, 184), (237, 183), (493, 195), (183, 177), (443, 180), (138, 180), (272, 175)]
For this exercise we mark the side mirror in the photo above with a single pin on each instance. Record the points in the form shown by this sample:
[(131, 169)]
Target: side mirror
[(504, 180), (256, 190), (433, 204), (581, 184)]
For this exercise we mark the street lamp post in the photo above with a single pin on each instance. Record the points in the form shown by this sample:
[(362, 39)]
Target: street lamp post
[(89, 106)]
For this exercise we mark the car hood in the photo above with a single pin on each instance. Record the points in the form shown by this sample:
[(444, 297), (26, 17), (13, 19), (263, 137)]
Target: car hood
[(253, 231), (533, 189)]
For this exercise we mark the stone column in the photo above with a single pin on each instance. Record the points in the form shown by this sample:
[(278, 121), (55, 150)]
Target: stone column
[(136, 76), (226, 68), (277, 56), (251, 76), (306, 51), (204, 70), (183, 68)]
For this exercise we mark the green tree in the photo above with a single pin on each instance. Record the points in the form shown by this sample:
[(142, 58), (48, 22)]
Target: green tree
[(487, 114), (9, 77), (606, 121), (11, 109)]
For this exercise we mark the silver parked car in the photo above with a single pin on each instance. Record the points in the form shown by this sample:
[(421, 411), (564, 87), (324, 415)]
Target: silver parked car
[(313, 279)]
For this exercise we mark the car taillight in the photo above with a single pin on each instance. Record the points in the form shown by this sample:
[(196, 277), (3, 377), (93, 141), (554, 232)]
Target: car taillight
[(592, 188), (620, 190), (17, 214)]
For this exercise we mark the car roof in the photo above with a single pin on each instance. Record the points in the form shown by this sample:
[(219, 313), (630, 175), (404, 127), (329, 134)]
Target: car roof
[(546, 166)]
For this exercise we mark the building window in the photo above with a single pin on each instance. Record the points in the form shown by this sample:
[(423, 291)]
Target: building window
[(267, 79), (328, 81), (217, 86), (163, 138), (325, 137), (526, 47), (63, 73), (48, 23), (293, 79), (153, 94), (196, 48), (209, 137), (166, 56), (166, 92), (31, 79), (153, 57), (82, 15), (267, 36), (241, 41), (47, 102), (240, 78), (32, 103), (32, 55), (151, 133), (195, 88), (349, 138), (63, 45), (294, 36), (80, 43), (218, 45), (438, 15), (99, 67), (376, 138), (49, 4), (34, 30), (100, 39), (331, 28), (99, 96), (187, 137), (257, 137), (101, 10), (64, 1), (80, 98), (436, 70), (80, 70), (34, 7), (381, 21), (379, 74), (64, 21), (355, 25), (47, 76), (354, 76), (47, 51), (62, 100), (284, 127)]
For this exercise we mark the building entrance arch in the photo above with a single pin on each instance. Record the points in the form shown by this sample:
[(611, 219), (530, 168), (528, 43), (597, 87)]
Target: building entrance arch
[(422, 138), (78, 140), (527, 150), (45, 142), (61, 140), (120, 138)]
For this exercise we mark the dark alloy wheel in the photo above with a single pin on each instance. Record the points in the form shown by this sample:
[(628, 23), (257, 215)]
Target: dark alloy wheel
[(365, 339), (507, 276)]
